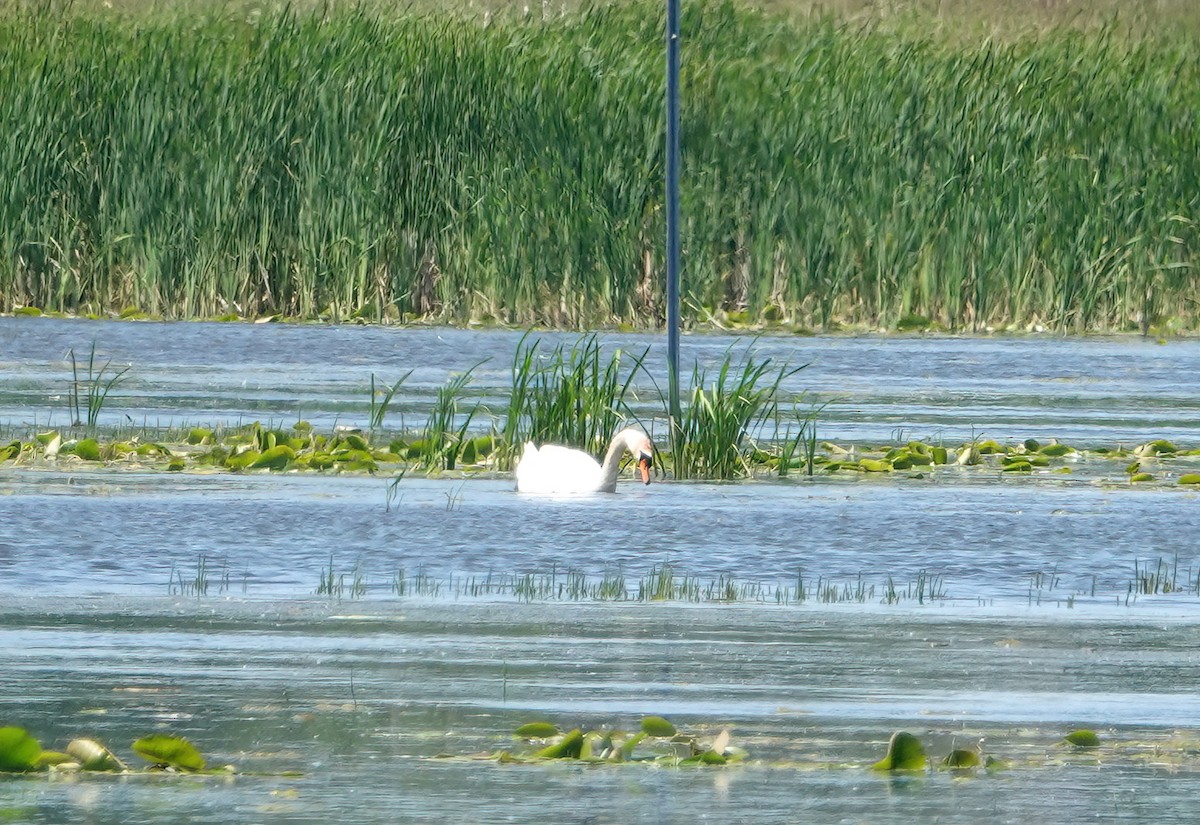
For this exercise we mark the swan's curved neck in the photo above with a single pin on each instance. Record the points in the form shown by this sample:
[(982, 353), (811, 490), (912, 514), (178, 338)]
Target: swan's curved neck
[(612, 464)]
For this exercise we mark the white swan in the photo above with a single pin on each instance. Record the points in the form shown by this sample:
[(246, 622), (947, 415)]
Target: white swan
[(554, 469)]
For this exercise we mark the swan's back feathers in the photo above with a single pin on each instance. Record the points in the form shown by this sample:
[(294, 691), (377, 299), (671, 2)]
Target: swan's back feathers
[(554, 469)]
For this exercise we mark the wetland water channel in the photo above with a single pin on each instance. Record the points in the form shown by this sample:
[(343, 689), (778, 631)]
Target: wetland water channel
[(1016, 613)]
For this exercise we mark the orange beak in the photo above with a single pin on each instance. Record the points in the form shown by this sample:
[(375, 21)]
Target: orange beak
[(644, 466)]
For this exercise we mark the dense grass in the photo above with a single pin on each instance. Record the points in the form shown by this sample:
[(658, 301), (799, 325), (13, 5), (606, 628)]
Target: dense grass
[(349, 162)]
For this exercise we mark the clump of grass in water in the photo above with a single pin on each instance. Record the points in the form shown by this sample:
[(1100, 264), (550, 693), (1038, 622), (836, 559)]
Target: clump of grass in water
[(715, 437), (445, 432), (93, 387), (574, 397), (333, 583), (381, 400)]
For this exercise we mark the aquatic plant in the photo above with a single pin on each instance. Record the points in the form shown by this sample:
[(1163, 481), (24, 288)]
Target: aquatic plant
[(1082, 738), (574, 396), (904, 753), (381, 400), (715, 438), (445, 434), (21, 753), (835, 173), (657, 742), (91, 389)]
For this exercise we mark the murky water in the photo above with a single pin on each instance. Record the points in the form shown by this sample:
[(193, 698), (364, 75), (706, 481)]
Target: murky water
[(1017, 614)]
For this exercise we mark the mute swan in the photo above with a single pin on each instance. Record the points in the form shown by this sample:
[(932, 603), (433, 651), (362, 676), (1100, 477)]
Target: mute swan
[(554, 469)]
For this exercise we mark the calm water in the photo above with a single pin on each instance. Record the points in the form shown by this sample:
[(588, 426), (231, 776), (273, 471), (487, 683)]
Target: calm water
[(1035, 630)]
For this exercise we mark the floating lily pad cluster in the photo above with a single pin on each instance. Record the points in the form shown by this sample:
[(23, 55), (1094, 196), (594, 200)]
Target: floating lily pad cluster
[(906, 753), (918, 457), (658, 742), (253, 448), (256, 448), (21, 753)]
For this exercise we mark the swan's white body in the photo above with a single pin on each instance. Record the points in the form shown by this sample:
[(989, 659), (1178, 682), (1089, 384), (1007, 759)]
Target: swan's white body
[(554, 469)]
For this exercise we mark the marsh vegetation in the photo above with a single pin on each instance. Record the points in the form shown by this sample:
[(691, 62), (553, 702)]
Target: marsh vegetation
[(356, 163)]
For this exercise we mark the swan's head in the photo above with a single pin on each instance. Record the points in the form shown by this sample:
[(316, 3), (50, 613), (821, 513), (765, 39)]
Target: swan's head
[(642, 449)]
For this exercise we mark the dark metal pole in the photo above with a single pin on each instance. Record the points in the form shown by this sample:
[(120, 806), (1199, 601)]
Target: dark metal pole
[(673, 210)]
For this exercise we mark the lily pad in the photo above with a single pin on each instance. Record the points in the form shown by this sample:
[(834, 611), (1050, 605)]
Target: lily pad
[(19, 751), (170, 751), (1190, 478), (961, 758), (1056, 450), (905, 753), (1138, 478), (568, 747), (537, 730), (1083, 738), (657, 726), (274, 458)]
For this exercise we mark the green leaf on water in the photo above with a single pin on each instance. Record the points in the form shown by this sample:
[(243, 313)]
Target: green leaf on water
[(88, 449), (1083, 738), (657, 726), (961, 758), (200, 435), (566, 748), (1138, 478), (905, 753), (172, 751), (1190, 478), (274, 458), (537, 730), (19, 751), (875, 465), (48, 759), (1056, 450)]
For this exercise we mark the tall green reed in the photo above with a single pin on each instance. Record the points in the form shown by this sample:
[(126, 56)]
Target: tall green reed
[(445, 433), (569, 395), (89, 392), (723, 419), (352, 162)]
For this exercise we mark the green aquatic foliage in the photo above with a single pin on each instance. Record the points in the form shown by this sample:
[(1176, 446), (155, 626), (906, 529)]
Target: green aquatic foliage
[(19, 751), (574, 396), (362, 198), (569, 746), (167, 751), (657, 726), (905, 753), (1190, 478), (961, 759), (1082, 738), (93, 388), (87, 449), (274, 458), (381, 399), (658, 742), (716, 437), (537, 730)]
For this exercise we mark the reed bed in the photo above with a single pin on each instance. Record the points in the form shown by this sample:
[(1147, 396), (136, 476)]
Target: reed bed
[(343, 162)]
